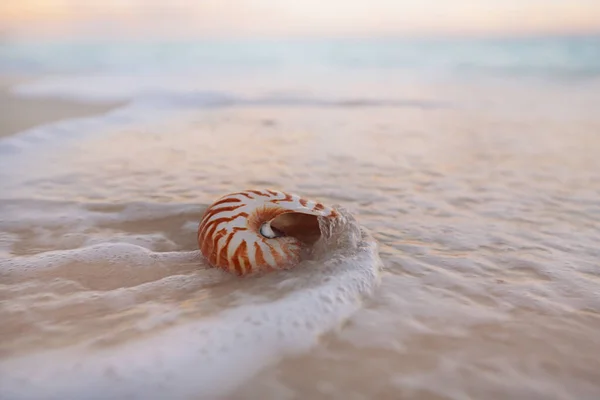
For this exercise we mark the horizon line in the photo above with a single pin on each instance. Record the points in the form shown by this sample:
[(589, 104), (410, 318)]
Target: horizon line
[(7, 37)]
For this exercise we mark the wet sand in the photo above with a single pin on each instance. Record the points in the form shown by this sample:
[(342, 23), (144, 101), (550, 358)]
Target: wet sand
[(20, 113), (487, 221)]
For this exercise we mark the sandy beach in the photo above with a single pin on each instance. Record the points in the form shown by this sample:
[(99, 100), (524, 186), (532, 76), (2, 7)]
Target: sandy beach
[(488, 239), (22, 113), (465, 265)]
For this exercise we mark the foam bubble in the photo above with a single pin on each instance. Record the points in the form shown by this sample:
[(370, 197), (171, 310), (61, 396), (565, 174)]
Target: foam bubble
[(183, 350)]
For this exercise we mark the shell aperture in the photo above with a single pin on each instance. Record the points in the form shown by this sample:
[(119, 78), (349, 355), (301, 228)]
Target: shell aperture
[(259, 230)]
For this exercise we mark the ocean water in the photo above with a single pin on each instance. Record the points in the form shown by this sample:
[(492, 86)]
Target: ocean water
[(568, 56), (465, 265)]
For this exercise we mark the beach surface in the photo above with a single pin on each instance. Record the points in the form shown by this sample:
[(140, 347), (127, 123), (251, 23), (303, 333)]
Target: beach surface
[(465, 265), (20, 114)]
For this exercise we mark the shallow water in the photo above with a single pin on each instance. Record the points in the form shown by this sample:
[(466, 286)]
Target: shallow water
[(485, 211)]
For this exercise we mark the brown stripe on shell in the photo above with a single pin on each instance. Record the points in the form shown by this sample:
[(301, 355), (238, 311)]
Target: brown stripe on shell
[(215, 244), (219, 202), (288, 197), (217, 221), (212, 251), (209, 229), (227, 199), (245, 194), (240, 252), (233, 232), (259, 257), (304, 202), (244, 262), (207, 244), (318, 207), (215, 211), (223, 253), (207, 238)]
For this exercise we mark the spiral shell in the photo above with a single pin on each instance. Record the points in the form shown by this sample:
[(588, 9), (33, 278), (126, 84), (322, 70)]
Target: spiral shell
[(259, 230)]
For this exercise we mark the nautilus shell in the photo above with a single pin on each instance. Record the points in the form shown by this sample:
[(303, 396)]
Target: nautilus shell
[(259, 230)]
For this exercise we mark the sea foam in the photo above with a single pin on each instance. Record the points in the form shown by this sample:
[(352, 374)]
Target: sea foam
[(209, 355)]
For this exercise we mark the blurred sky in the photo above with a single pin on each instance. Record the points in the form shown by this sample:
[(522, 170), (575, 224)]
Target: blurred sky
[(238, 18)]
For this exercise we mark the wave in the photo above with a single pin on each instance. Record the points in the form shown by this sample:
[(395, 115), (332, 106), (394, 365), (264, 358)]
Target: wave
[(223, 332), (150, 101), (190, 91)]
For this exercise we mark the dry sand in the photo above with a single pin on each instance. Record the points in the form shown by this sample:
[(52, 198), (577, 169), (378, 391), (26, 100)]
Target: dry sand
[(19, 113)]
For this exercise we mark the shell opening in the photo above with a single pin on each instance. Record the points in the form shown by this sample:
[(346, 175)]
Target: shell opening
[(304, 227)]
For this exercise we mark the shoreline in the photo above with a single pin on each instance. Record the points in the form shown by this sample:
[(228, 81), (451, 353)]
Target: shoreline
[(22, 113)]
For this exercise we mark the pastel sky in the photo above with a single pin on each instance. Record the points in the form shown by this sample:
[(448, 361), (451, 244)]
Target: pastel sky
[(218, 18)]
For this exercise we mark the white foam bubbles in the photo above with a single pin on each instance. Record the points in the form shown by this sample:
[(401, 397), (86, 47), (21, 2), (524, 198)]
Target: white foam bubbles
[(179, 353)]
